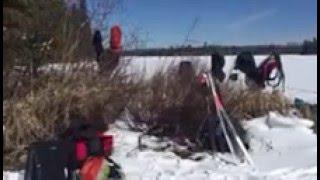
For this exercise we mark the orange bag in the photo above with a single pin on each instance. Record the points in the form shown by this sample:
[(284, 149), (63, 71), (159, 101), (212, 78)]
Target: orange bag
[(91, 168)]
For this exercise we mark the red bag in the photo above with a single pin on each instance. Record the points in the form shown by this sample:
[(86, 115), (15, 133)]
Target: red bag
[(82, 151), (115, 38)]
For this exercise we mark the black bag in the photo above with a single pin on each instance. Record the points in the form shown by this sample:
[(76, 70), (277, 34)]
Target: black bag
[(82, 129), (245, 63), (211, 135), (50, 160), (95, 147), (217, 64), (79, 130)]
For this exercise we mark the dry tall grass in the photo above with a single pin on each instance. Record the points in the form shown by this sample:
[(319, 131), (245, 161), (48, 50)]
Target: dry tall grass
[(173, 107), (247, 104), (168, 103), (49, 106), (170, 106)]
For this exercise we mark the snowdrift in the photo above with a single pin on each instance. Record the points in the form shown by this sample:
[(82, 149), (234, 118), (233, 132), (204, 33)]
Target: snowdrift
[(281, 147)]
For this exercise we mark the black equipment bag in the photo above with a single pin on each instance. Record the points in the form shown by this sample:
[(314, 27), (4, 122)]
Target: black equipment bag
[(50, 160), (211, 136), (245, 63), (87, 132), (217, 64), (95, 147)]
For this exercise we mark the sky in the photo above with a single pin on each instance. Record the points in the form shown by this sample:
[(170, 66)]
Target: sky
[(164, 23)]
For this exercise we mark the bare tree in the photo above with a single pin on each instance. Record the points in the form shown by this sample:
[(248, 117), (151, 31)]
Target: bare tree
[(194, 24), (99, 11)]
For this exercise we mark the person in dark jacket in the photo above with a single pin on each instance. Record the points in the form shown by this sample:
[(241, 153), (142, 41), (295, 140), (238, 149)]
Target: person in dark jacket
[(97, 43)]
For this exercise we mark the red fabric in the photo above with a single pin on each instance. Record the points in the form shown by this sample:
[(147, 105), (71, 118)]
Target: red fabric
[(91, 168), (201, 79), (81, 150), (115, 38), (107, 141), (266, 67)]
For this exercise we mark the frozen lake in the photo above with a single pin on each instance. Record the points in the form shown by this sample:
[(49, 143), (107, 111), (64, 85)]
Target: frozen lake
[(300, 70)]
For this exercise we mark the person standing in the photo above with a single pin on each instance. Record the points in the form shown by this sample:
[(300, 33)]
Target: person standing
[(97, 43), (110, 58)]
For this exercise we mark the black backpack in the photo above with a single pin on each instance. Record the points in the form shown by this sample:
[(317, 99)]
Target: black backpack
[(245, 63), (87, 132), (211, 136), (50, 160)]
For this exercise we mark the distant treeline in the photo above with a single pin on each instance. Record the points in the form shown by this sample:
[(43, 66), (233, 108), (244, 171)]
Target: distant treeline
[(307, 47)]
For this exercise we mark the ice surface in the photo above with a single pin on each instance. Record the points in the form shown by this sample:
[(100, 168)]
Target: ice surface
[(300, 70)]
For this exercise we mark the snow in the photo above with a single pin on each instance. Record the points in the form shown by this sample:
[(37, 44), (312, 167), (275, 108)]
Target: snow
[(274, 121), (68, 67), (281, 147), (279, 152), (300, 70), (285, 150)]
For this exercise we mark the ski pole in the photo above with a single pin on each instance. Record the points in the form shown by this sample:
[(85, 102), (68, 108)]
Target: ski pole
[(239, 141), (218, 106), (221, 111)]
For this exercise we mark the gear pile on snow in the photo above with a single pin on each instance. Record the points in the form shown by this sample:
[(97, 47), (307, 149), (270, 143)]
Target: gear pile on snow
[(193, 123), (227, 129), (261, 76), (82, 152)]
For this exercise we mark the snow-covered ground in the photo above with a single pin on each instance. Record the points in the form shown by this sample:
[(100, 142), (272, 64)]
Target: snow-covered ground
[(281, 148)]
